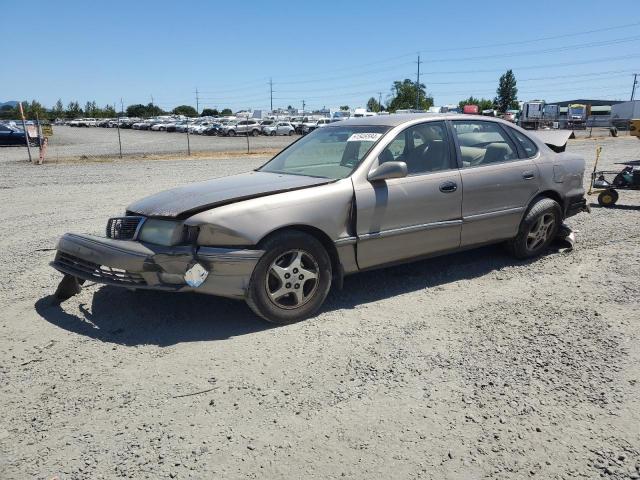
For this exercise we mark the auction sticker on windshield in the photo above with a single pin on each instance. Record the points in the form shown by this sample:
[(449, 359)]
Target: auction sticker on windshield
[(364, 137)]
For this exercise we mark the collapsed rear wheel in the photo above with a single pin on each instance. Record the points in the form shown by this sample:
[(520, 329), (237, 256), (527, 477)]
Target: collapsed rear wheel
[(291, 280), (608, 198), (537, 230)]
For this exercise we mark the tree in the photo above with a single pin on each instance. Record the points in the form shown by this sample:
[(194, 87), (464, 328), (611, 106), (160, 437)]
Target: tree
[(210, 112), (483, 103), (373, 105), (139, 110), (226, 111), (507, 92), (58, 109), (405, 96), (34, 109), (344, 108), (91, 109), (108, 111), (73, 110), (186, 110)]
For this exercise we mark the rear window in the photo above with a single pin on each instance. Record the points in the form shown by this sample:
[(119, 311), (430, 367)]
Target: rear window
[(526, 143)]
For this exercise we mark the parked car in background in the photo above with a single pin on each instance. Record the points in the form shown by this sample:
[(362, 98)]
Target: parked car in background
[(351, 196), (312, 125), (10, 135), (279, 128), (241, 127)]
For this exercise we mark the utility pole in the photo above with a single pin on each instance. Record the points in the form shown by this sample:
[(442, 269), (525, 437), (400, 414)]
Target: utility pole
[(635, 82), (303, 107), (118, 127), (379, 101), (271, 93), (197, 102), (418, 85)]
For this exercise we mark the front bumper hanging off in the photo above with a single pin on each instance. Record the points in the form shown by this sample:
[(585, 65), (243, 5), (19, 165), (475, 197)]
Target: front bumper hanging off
[(132, 264)]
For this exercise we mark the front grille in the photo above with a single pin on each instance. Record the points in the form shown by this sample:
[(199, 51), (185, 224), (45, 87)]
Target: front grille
[(86, 269), (124, 228)]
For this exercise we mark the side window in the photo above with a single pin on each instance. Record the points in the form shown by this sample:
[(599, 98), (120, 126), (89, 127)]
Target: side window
[(424, 148), (526, 143), (4, 129), (483, 143)]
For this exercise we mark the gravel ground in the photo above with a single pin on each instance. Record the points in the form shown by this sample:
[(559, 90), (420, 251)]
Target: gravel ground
[(464, 367)]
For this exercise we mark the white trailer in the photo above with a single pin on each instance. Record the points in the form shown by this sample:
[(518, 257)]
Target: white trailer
[(532, 114), (622, 113)]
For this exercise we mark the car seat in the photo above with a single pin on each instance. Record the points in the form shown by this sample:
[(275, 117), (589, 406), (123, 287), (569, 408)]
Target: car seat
[(496, 153)]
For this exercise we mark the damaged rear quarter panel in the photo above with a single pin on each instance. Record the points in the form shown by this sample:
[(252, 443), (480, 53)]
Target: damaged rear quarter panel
[(244, 223)]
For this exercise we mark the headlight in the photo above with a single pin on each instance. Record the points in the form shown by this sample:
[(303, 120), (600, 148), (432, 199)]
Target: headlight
[(160, 232)]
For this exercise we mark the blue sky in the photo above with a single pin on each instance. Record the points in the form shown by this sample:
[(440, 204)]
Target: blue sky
[(328, 53)]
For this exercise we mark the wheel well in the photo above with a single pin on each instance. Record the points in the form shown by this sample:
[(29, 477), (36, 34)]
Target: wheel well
[(552, 195), (319, 235)]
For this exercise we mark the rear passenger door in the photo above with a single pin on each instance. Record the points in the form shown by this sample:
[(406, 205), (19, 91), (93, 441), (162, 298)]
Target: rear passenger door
[(497, 184)]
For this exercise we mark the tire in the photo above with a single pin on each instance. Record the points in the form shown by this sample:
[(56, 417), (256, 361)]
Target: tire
[(231, 133), (255, 133), (537, 230), (284, 252), (290, 132), (608, 198), (273, 134)]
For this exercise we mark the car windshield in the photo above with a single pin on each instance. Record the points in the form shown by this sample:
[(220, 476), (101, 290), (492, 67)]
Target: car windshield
[(331, 152)]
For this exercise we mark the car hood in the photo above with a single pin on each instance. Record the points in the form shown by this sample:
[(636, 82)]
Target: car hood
[(182, 202)]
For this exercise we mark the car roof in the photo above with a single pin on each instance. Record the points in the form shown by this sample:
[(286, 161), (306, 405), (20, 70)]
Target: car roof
[(398, 119)]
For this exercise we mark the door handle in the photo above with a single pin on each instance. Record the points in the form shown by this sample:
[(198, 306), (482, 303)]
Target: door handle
[(448, 187), (528, 175)]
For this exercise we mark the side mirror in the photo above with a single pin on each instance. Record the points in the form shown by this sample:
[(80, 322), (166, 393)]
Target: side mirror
[(388, 170)]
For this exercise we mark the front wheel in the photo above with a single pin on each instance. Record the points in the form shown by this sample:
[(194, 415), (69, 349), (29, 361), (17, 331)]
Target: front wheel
[(291, 280), (231, 133), (537, 230), (290, 132)]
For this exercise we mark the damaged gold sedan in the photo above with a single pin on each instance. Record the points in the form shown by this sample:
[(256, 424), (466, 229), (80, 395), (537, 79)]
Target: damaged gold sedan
[(355, 195)]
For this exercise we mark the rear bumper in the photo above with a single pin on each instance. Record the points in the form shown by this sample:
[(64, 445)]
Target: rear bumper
[(576, 205), (135, 265)]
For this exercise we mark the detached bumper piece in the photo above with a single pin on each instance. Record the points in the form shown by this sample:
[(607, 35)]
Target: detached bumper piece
[(131, 264)]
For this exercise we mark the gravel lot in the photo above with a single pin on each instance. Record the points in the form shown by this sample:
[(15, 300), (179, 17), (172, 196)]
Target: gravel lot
[(465, 367), (76, 143)]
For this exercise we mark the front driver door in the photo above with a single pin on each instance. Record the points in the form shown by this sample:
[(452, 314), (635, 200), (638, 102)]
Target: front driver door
[(420, 214)]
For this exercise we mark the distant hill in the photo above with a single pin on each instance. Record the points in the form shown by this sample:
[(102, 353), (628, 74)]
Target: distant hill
[(10, 103)]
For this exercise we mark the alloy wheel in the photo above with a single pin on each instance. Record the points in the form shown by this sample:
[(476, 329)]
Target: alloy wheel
[(292, 279), (540, 231)]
